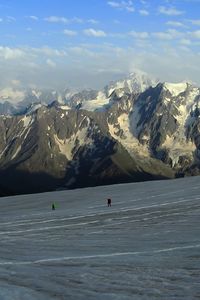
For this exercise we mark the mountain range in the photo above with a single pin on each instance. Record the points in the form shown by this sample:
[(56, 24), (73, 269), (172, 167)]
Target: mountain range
[(134, 129)]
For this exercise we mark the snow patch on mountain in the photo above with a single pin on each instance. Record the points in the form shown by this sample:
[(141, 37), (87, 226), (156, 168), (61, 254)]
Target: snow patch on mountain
[(175, 88), (178, 144), (178, 147), (33, 108), (59, 98), (27, 120), (117, 86), (187, 106), (130, 143), (65, 107), (97, 103), (68, 94), (16, 152), (133, 83), (4, 150), (67, 146)]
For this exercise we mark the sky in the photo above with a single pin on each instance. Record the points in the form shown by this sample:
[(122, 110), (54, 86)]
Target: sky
[(88, 43)]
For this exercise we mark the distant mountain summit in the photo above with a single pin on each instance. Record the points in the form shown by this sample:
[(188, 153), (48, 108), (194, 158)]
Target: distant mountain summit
[(135, 129), (16, 101), (136, 82), (92, 100)]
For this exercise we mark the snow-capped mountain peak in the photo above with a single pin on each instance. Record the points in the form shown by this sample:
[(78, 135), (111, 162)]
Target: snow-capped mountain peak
[(135, 82), (33, 107), (176, 88)]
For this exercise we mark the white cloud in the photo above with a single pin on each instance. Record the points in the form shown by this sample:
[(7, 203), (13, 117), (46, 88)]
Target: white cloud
[(144, 12), (139, 35), (185, 42), (170, 34), (34, 18), (130, 9), (119, 35), (162, 35), (13, 95), (70, 32), (76, 20), (114, 4), (171, 11), (184, 48), (81, 51), (116, 22), (51, 67), (94, 33), (143, 2), (175, 24), (92, 21), (55, 19), (195, 34), (63, 20), (51, 63), (48, 51), (122, 5), (168, 64), (15, 82), (10, 19), (195, 22), (11, 53)]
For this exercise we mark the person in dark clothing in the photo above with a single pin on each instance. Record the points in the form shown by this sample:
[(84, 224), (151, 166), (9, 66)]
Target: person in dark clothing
[(109, 202), (53, 206)]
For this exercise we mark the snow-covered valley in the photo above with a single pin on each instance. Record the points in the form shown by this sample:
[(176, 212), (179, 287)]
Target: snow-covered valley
[(146, 246)]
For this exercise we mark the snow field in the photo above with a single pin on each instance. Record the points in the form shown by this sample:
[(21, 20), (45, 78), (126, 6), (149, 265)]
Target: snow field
[(146, 246)]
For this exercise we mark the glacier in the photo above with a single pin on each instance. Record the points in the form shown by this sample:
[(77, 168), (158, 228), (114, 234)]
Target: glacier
[(146, 246)]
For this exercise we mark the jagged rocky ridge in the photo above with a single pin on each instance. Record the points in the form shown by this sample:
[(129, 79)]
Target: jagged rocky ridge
[(132, 136), (15, 101)]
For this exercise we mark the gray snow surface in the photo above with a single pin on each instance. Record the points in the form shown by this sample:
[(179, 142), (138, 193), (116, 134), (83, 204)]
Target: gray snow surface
[(146, 246)]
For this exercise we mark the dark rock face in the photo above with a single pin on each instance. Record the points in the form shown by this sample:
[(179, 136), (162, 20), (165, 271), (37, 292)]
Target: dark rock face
[(157, 118), (82, 96), (149, 135)]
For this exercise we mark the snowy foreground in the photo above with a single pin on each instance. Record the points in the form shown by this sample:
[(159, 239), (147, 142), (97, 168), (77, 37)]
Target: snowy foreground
[(146, 246)]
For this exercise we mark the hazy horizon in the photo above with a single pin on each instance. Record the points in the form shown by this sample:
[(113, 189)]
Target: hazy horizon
[(88, 44)]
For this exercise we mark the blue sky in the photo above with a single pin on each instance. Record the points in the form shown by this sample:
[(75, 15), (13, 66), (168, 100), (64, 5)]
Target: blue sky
[(87, 43)]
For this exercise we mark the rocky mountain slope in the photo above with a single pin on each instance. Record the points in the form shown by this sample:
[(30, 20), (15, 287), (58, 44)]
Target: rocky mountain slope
[(126, 135)]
